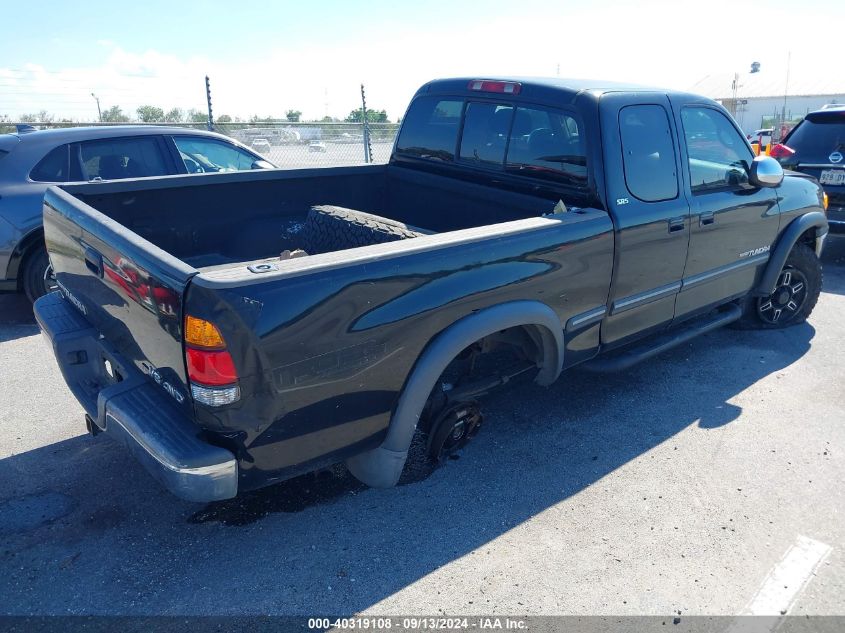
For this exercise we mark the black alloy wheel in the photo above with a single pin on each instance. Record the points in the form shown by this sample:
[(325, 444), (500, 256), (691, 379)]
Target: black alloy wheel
[(789, 297)]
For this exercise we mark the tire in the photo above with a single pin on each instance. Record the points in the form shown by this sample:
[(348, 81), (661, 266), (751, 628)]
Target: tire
[(330, 228), (36, 274), (798, 286)]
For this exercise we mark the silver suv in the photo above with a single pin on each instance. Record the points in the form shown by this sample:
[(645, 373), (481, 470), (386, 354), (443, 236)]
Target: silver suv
[(32, 160)]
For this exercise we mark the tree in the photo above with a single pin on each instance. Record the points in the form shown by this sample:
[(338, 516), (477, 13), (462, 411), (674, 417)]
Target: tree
[(293, 115), (195, 116), (224, 118), (373, 116), (175, 115), (261, 119), (41, 117), (150, 114), (115, 115)]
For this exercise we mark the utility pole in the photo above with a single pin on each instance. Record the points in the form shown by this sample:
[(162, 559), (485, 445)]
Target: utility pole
[(99, 112), (210, 123), (785, 92), (368, 150), (734, 89)]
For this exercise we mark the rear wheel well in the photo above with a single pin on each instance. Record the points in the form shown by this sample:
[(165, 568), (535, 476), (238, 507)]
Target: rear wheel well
[(25, 249), (489, 363)]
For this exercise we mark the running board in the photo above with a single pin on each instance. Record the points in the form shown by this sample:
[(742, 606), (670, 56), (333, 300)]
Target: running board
[(628, 357)]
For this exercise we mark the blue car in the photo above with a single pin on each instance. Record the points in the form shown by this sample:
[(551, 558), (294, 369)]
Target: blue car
[(32, 160)]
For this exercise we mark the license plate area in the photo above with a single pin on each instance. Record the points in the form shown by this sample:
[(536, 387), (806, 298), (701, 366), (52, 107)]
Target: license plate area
[(832, 177)]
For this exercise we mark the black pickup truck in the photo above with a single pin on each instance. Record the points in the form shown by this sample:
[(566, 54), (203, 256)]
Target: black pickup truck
[(239, 329)]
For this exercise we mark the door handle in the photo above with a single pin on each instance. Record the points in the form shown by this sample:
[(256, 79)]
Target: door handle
[(94, 261), (677, 224), (705, 219)]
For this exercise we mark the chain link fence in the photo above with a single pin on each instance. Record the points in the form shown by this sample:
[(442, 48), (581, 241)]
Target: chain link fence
[(296, 145), (291, 145)]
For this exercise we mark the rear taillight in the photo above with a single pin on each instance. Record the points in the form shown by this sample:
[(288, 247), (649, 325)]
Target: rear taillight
[(781, 151), (211, 371)]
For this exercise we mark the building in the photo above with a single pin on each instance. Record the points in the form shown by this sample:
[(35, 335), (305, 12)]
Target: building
[(757, 100)]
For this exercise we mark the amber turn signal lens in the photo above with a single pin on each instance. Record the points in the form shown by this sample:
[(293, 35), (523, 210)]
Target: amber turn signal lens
[(826, 200), (202, 333)]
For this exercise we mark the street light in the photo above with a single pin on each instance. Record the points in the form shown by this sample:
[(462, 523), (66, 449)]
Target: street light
[(99, 112)]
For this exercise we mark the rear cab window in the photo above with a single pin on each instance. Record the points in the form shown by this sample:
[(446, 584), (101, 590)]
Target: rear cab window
[(524, 140), (430, 129), (547, 144)]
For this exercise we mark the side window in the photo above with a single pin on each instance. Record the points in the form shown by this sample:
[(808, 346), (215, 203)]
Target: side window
[(719, 157), (117, 158), (430, 129), (202, 155), (53, 167), (648, 154), (547, 144), (485, 134)]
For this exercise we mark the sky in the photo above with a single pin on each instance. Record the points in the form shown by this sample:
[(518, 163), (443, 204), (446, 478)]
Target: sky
[(264, 58)]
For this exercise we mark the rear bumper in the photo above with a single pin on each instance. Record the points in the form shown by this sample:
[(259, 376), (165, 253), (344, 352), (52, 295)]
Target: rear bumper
[(133, 410)]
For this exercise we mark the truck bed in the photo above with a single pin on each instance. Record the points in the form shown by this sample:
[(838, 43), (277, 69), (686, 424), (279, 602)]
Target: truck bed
[(245, 218)]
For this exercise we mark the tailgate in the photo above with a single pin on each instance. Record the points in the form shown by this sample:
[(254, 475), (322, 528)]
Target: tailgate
[(127, 288)]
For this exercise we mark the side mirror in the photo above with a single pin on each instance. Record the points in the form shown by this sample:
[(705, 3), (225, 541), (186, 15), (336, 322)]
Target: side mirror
[(765, 172)]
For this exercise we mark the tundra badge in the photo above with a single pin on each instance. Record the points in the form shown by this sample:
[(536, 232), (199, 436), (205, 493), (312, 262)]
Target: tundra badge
[(755, 251)]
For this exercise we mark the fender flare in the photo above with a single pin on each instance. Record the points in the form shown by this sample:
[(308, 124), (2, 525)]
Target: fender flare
[(382, 466), (790, 235), (23, 249)]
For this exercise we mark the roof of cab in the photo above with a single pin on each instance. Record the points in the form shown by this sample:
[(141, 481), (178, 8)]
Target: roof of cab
[(542, 88)]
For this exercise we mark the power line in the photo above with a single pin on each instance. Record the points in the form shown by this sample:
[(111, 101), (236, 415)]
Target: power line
[(75, 70)]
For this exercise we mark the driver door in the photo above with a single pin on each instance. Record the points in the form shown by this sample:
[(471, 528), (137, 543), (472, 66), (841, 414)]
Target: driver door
[(733, 223)]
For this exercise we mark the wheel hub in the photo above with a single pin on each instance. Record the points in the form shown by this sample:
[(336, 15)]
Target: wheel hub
[(452, 429), (787, 300)]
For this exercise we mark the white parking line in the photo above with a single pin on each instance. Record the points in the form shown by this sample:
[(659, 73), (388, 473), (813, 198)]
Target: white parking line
[(788, 578)]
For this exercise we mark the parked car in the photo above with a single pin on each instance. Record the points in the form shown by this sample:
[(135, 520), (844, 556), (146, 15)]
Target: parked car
[(239, 329), (816, 146), (761, 139), (316, 146), (31, 160), (261, 145)]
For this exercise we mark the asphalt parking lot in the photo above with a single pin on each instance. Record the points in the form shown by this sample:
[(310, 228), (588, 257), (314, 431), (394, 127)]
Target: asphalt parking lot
[(697, 483)]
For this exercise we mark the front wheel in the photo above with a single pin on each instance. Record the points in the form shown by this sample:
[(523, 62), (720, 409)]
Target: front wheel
[(795, 295)]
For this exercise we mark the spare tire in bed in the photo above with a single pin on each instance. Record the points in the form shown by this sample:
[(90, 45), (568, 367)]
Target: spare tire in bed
[(330, 228)]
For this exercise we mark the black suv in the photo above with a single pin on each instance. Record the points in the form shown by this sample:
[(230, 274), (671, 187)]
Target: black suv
[(816, 146)]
